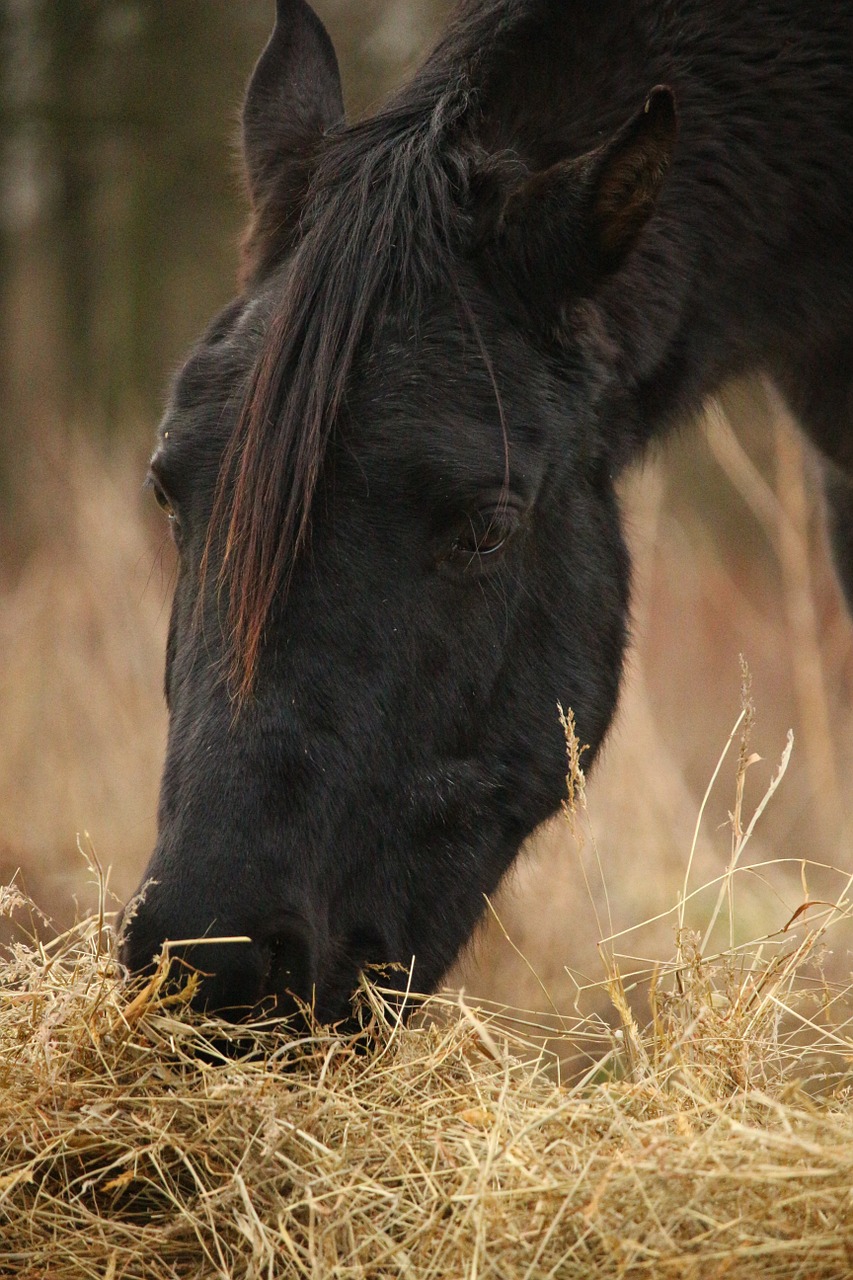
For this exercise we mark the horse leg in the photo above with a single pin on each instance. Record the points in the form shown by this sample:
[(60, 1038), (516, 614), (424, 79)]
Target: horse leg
[(820, 394)]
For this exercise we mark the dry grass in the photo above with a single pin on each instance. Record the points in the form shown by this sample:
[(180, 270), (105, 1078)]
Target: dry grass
[(716, 1141), (82, 637)]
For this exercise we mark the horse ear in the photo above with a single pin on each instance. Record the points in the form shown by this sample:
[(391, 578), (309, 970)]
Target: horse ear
[(563, 230), (293, 98)]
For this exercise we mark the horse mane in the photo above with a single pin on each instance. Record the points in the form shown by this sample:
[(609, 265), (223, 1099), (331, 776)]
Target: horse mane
[(380, 224)]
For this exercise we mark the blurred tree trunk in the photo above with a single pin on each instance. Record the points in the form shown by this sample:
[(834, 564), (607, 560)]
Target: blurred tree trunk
[(70, 37)]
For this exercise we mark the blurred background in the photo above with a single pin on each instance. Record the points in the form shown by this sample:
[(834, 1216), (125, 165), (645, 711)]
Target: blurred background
[(120, 211)]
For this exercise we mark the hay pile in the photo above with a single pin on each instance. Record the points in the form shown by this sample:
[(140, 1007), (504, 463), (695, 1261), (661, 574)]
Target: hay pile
[(716, 1142), (711, 1145)]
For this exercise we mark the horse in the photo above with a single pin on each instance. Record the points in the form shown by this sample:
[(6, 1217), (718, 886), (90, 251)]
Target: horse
[(390, 463)]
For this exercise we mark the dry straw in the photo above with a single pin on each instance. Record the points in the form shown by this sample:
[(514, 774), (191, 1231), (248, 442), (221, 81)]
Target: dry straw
[(715, 1141)]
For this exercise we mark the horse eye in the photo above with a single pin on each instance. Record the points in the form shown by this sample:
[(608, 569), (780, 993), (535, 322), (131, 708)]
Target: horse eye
[(485, 535), (161, 497)]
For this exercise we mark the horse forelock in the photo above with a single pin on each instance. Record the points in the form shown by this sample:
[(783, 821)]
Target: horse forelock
[(381, 226)]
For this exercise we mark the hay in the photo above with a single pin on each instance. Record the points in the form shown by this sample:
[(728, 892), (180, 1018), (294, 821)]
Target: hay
[(434, 1153), (717, 1141)]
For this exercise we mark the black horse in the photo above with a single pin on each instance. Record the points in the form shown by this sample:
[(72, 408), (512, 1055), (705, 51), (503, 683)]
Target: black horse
[(390, 464)]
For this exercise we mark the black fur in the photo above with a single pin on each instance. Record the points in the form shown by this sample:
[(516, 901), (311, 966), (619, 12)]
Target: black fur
[(391, 461)]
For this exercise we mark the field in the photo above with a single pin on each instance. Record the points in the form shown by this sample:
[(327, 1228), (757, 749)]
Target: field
[(648, 1072)]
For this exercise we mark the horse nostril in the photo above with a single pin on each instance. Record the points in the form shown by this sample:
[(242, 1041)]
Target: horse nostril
[(366, 946), (290, 960), (300, 969), (228, 969)]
